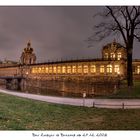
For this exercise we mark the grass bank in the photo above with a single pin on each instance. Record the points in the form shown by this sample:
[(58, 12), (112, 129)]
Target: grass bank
[(127, 93), (24, 114)]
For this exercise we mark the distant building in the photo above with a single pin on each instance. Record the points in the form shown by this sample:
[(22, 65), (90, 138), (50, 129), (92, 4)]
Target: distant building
[(111, 66), (28, 57)]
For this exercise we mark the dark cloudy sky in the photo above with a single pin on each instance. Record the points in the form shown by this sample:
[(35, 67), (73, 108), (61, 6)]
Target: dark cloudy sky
[(55, 32)]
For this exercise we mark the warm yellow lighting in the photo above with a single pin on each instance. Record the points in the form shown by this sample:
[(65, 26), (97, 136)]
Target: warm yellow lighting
[(119, 55), (50, 69), (73, 69), (42, 70), (106, 55), (54, 69), (138, 69), (79, 70), (92, 68), (85, 69), (58, 69), (39, 70), (109, 69), (117, 69), (112, 55), (46, 70), (102, 69), (68, 69), (63, 69)]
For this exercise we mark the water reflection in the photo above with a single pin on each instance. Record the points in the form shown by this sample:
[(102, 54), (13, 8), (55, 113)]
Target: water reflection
[(67, 88)]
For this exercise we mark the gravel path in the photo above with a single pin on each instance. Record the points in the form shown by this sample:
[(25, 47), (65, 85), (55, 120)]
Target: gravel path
[(100, 103)]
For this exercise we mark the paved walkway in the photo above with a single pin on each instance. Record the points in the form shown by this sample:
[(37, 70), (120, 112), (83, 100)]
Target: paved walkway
[(100, 103)]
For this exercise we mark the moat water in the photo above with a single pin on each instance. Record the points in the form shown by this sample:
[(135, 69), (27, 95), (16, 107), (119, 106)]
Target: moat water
[(66, 89)]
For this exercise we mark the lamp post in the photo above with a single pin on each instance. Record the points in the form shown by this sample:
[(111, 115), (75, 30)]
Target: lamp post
[(84, 96)]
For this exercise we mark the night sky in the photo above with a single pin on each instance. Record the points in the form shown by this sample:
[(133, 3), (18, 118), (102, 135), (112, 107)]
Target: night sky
[(55, 32)]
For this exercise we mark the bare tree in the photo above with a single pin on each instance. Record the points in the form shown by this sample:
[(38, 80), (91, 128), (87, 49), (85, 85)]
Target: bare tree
[(124, 21)]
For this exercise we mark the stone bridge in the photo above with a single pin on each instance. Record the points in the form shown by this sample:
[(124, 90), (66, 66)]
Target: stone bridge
[(9, 80)]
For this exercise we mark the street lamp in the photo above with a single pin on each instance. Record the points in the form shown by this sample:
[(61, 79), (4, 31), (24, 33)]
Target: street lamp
[(84, 96)]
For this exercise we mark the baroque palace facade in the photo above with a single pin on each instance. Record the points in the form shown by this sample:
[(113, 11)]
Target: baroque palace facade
[(112, 66)]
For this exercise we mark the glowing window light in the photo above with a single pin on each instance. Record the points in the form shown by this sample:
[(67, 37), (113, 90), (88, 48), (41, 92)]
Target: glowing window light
[(85, 69), (54, 69), (138, 69), (79, 69), (59, 69), (106, 55), (102, 69), (33, 70), (36, 70), (46, 70), (92, 68), (50, 69), (117, 69), (112, 55), (73, 69), (39, 70), (68, 69), (119, 55), (42, 70), (63, 69), (109, 69)]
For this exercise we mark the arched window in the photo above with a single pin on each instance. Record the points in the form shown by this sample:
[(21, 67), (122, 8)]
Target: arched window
[(50, 69), (68, 69), (85, 69), (54, 69), (73, 69), (63, 69), (79, 69), (102, 69), (109, 69), (117, 69), (59, 69), (119, 55), (112, 55), (46, 70), (92, 68), (106, 55)]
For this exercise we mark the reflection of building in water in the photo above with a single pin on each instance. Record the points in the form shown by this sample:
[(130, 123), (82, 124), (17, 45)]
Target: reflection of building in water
[(111, 66)]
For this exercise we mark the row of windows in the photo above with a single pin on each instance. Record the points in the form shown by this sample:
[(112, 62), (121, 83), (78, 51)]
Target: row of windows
[(76, 69), (113, 55)]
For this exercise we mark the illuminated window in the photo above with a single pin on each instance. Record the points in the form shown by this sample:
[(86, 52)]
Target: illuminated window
[(50, 69), (92, 68), (117, 69), (46, 70), (79, 70), (102, 69), (42, 70), (138, 69), (33, 70), (106, 56), (63, 69), (39, 70), (58, 69), (68, 69), (109, 69), (73, 69), (112, 55), (54, 69), (119, 55), (85, 69)]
